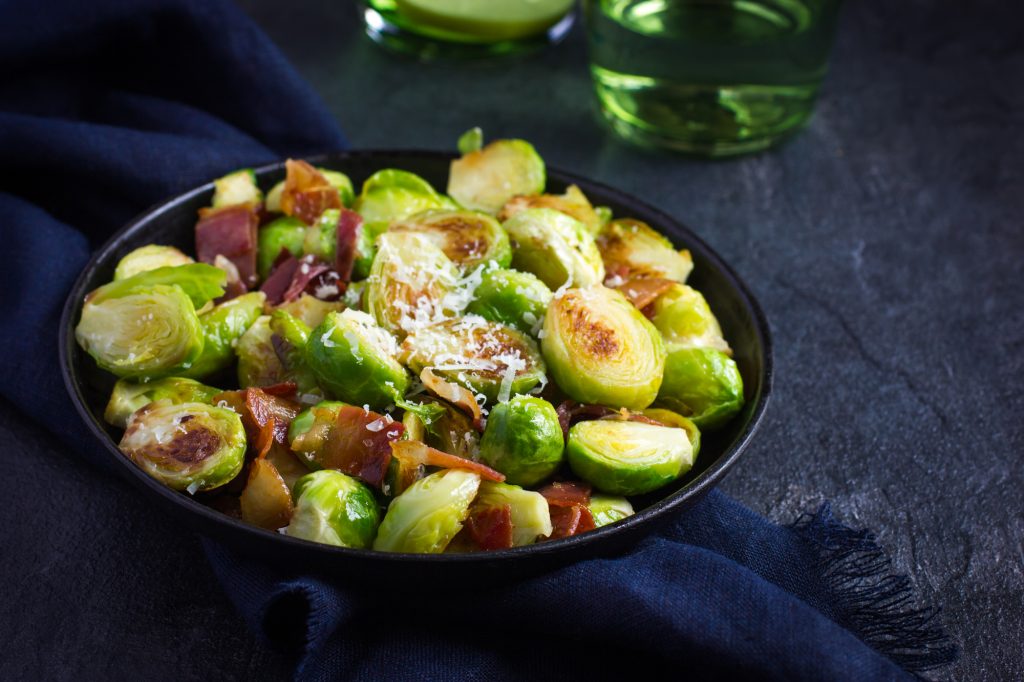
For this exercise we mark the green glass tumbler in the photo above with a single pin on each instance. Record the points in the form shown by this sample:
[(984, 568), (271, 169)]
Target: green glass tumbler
[(466, 28), (709, 77)]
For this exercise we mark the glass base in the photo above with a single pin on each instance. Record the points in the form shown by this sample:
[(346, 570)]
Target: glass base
[(705, 120), (388, 29)]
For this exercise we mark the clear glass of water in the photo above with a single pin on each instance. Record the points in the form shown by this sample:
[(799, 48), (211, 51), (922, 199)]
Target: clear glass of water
[(709, 77)]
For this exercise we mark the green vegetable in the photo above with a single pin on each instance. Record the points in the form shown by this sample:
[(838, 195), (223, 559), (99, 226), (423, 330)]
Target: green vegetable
[(334, 509), (290, 336), (186, 446), (684, 318), (128, 396), (556, 248), (201, 283), (236, 188), (450, 431), (485, 179), (485, 357), (609, 508), (523, 440), (517, 299), (340, 182), (703, 384), (670, 418), (573, 203), (471, 141), (261, 362), (321, 415), (273, 201), (310, 310), (531, 517), (321, 238), (601, 349), (429, 513), (148, 333), (468, 238), (633, 248), (149, 257), (285, 232), (410, 283), (354, 360), (222, 327), (627, 457)]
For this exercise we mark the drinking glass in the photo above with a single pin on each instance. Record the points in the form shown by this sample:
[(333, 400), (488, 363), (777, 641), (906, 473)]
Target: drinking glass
[(466, 28), (710, 77)]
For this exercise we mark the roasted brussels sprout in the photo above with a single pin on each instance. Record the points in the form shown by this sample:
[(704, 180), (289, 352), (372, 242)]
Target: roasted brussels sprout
[(266, 357), (703, 384), (556, 248), (523, 440), (670, 418), (321, 238), (340, 182), (201, 283), (468, 238), (484, 180), (186, 446), (601, 349), (531, 517), (486, 357), (628, 457), (310, 310), (334, 509), (149, 333), (452, 431), (354, 360), (286, 232), (632, 248), (429, 513), (149, 257), (390, 194), (410, 283), (683, 317), (128, 396), (573, 203), (608, 509), (511, 297), (222, 327), (236, 188)]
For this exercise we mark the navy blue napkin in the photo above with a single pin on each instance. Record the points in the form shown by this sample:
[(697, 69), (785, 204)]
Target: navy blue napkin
[(107, 107)]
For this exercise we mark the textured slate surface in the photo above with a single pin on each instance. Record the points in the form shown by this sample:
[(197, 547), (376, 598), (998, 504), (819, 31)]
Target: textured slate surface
[(885, 243)]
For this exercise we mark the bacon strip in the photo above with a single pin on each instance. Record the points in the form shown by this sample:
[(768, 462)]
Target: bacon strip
[(265, 438), (643, 291), (345, 254), (566, 493), (459, 396), (569, 412), (420, 453), (567, 521), (264, 408), (280, 278), (309, 268), (307, 193), (229, 232), (357, 443), (491, 527)]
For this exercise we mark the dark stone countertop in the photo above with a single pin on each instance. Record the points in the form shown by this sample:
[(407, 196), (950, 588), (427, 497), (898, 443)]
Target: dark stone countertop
[(885, 243)]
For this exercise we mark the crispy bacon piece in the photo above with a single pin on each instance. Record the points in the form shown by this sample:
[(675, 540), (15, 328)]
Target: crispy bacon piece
[(569, 412), (415, 452), (307, 193), (357, 443), (229, 232), (643, 291), (566, 521), (285, 389), (291, 277), (345, 254), (491, 527), (265, 439), (309, 269), (263, 407), (457, 395), (280, 277), (566, 493)]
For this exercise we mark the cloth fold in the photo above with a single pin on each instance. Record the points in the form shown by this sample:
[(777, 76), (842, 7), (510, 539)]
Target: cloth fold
[(110, 106)]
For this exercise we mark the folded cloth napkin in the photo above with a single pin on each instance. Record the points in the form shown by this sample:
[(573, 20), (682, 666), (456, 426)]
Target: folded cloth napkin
[(109, 106)]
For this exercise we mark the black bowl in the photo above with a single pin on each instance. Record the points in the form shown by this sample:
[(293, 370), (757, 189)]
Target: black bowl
[(172, 222)]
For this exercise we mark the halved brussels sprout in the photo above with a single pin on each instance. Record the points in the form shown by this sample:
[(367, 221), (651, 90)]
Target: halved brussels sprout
[(390, 194), (468, 238), (556, 248), (321, 415), (608, 509), (128, 396), (149, 257), (149, 333), (670, 418), (410, 282), (484, 180), (632, 248), (628, 457), (573, 203), (236, 188), (601, 349), (286, 232), (201, 283), (531, 517), (452, 432), (222, 327), (290, 337), (321, 238), (354, 360), (523, 440), (485, 357), (429, 513), (266, 358), (684, 318), (334, 509), (511, 297), (186, 446), (311, 310), (703, 384)]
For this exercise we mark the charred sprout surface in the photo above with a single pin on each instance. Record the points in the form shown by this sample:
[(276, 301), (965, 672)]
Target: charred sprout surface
[(392, 346)]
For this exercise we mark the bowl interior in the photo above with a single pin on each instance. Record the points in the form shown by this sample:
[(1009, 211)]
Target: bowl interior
[(173, 222)]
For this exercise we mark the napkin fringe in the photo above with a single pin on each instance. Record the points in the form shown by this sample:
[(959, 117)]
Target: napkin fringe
[(870, 599)]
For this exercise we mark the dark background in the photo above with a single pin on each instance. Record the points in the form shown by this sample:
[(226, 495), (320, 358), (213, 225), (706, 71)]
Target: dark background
[(885, 243)]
